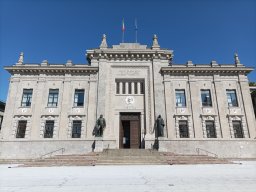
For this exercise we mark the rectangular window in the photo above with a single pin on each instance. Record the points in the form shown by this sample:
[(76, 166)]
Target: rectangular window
[(135, 88), (123, 87), (238, 131), (53, 98), (117, 88), (26, 97), (183, 127), (206, 98), (129, 87), (180, 98), (21, 130), (79, 98), (232, 99), (76, 129), (210, 129), (48, 131), (141, 87)]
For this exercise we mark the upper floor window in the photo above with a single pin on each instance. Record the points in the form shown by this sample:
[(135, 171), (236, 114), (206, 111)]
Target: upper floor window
[(21, 130), (76, 129), (210, 129), (206, 98), (232, 99), (180, 98), (238, 131), (79, 98), (48, 130), (53, 98), (26, 97)]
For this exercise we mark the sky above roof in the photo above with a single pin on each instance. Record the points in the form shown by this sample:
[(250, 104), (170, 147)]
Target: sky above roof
[(59, 30)]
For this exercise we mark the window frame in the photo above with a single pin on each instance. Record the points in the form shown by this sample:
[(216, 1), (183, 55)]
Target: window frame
[(236, 134), (75, 129), (207, 103), (183, 104), (19, 133), (54, 95), (26, 95), (77, 92), (210, 133), (50, 134), (186, 130), (229, 93)]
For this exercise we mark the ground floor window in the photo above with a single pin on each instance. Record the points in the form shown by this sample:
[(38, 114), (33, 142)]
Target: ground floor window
[(183, 128), (238, 131), (76, 129), (21, 130), (48, 131), (210, 129)]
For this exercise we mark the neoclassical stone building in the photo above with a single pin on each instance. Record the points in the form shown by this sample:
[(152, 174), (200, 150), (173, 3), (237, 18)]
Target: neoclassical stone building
[(206, 106)]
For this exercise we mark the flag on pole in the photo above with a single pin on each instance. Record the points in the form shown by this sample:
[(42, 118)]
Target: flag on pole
[(123, 27)]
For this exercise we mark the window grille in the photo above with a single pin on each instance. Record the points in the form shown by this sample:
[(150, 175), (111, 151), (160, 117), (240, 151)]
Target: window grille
[(183, 128), (21, 130), (76, 129), (210, 129), (49, 126)]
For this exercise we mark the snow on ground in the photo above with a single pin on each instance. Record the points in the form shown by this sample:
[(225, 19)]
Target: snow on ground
[(143, 178)]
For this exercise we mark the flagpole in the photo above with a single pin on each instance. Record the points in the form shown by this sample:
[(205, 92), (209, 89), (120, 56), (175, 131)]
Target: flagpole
[(123, 29), (136, 31)]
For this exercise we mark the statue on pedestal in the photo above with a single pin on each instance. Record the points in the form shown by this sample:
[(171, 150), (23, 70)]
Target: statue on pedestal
[(160, 126), (100, 126)]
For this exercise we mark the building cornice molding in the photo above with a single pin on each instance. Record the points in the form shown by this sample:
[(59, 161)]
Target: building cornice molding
[(206, 69), (129, 54), (61, 69)]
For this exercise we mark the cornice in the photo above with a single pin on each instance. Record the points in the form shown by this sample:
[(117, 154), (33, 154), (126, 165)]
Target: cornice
[(207, 69), (38, 69), (129, 54)]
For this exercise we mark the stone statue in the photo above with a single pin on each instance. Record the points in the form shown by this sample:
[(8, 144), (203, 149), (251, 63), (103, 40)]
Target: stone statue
[(21, 58), (155, 43), (100, 125), (237, 61), (104, 42), (160, 126)]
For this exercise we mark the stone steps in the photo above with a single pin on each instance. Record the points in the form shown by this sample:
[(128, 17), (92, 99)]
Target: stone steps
[(122, 157)]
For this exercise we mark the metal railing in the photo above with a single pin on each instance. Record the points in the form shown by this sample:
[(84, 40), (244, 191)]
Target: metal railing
[(50, 153), (203, 152)]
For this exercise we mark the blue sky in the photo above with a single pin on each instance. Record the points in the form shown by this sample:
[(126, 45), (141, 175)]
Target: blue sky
[(58, 30)]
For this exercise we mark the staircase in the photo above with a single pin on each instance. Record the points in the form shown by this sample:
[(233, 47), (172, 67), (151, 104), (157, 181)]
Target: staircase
[(122, 157)]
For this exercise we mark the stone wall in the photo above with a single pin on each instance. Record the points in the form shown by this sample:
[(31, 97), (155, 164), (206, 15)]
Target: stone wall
[(35, 149), (235, 148)]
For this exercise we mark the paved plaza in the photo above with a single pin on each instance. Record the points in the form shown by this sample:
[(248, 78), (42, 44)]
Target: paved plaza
[(173, 178)]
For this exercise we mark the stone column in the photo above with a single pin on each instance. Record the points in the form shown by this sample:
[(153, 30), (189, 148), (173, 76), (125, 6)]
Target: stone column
[(138, 88), (132, 87), (221, 101), (120, 87), (91, 107), (126, 88), (64, 105), (195, 109)]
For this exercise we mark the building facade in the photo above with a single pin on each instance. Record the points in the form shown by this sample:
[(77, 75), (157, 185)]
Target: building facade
[(2, 107), (203, 107)]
